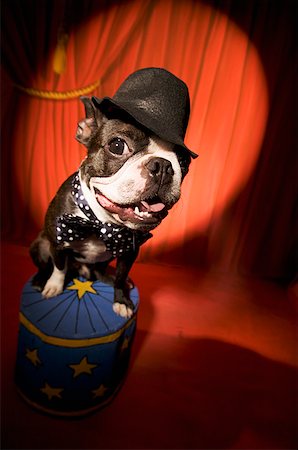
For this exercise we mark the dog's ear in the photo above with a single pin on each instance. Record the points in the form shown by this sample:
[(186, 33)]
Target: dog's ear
[(89, 126)]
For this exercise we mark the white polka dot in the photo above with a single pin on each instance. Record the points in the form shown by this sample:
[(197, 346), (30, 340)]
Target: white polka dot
[(119, 235), (63, 225), (103, 230), (81, 197), (109, 235), (72, 192), (59, 238), (58, 229), (77, 195), (75, 186), (70, 231), (71, 238), (81, 205), (86, 207)]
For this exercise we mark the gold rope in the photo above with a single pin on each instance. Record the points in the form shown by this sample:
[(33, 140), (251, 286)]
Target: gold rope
[(52, 95)]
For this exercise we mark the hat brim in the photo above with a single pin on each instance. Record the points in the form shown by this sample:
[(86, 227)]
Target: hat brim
[(106, 103)]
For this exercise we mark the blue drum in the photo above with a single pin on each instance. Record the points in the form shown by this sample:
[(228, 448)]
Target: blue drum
[(73, 350)]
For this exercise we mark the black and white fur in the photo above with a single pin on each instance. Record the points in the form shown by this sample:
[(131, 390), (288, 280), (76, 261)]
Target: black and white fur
[(129, 177)]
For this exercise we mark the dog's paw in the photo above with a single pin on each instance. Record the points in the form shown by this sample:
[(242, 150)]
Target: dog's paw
[(122, 310), (122, 306), (54, 285), (51, 290)]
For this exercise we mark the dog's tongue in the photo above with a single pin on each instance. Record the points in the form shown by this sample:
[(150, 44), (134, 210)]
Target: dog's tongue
[(104, 201), (156, 207), (112, 207)]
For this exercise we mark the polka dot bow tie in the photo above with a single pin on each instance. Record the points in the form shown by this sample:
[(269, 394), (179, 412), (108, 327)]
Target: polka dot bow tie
[(118, 240)]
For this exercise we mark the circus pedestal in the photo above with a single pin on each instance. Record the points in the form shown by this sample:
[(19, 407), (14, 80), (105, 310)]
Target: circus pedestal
[(73, 350)]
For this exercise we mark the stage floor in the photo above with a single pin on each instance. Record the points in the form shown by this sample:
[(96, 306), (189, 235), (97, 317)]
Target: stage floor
[(214, 366)]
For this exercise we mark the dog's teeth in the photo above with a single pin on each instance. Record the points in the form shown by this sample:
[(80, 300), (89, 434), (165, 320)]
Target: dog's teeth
[(141, 214)]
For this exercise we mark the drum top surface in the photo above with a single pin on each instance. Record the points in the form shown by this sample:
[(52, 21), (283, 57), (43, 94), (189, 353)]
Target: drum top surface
[(84, 310)]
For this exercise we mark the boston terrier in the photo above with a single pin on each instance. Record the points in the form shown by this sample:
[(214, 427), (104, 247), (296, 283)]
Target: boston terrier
[(131, 177)]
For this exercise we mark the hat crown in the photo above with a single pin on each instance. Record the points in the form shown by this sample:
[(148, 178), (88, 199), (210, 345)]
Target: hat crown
[(155, 99), (159, 93)]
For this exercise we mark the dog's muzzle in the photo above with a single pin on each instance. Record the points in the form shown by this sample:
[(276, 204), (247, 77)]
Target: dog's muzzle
[(142, 190), (150, 209)]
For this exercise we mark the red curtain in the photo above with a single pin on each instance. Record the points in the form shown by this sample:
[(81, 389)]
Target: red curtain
[(41, 150), (237, 208)]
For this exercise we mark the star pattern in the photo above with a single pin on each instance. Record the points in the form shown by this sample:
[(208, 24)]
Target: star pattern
[(82, 287), (58, 366), (100, 391), (82, 367), (33, 356), (51, 392)]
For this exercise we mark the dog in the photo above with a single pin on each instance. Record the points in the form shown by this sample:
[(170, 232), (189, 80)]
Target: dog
[(125, 186)]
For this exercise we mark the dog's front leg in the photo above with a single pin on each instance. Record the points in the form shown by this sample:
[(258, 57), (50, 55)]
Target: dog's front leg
[(123, 306), (55, 284)]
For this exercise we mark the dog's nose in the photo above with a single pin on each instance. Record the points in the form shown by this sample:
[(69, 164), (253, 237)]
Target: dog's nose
[(161, 169)]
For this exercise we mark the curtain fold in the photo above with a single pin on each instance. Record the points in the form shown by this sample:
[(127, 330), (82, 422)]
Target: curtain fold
[(236, 211)]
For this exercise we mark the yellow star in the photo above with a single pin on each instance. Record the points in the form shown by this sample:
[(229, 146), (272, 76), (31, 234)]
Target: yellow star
[(33, 356), (51, 391), (82, 287), (100, 391), (82, 367)]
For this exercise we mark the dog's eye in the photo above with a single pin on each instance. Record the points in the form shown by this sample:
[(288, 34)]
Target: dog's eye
[(118, 146)]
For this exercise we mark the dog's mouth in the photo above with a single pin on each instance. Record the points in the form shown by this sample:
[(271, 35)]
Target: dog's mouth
[(150, 211)]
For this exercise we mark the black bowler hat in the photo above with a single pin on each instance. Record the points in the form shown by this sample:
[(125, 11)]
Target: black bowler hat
[(157, 100)]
